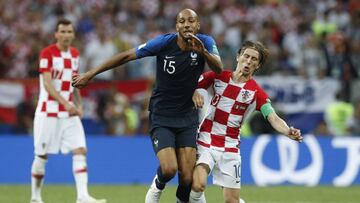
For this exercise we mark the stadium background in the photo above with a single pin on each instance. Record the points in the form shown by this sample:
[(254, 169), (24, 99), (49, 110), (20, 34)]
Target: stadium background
[(312, 78)]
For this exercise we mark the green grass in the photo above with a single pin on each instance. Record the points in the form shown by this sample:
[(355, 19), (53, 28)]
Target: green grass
[(136, 194)]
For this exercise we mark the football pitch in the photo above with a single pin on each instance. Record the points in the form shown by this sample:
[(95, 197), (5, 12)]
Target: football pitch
[(136, 194)]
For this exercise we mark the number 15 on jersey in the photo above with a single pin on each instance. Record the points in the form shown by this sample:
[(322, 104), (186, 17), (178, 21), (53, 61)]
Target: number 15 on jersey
[(169, 66)]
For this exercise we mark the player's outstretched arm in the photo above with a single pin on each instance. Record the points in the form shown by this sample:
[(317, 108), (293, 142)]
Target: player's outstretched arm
[(82, 80), (280, 125), (214, 61)]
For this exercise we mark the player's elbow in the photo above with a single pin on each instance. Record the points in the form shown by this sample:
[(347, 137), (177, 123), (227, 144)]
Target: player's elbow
[(273, 118), (217, 68)]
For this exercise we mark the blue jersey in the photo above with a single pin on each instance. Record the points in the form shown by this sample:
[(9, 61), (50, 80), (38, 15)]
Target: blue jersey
[(177, 73)]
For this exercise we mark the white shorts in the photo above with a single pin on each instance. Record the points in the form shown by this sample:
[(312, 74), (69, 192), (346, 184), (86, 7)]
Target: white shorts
[(54, 134), (224, 166)]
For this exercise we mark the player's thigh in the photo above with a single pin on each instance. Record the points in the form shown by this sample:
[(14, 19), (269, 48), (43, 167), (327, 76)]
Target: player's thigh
[(228, 171), (168, 160), (206, 156), (45, 135), (186, 157), (73, 135), (231, 195), (161, 138), (186, 136)]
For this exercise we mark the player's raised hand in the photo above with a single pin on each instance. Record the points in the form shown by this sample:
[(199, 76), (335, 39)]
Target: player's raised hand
[(198, 100), (79, 80), (195, 44), (295, 134)]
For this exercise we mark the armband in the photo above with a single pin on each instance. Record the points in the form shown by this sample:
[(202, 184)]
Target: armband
[(266, 109)]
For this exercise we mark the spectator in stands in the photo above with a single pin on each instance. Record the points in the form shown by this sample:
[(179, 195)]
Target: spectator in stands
[(353, 123), (338, 114), (341, 64), (97, 51), (258, 125), (322, 129), (57, 124), (121, 118), (25, 115)]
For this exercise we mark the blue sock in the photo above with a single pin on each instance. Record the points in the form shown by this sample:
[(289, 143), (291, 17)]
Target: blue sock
[(183, 192), (161, 179)]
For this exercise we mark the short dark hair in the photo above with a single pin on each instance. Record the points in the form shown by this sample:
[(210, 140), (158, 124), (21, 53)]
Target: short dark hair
[(62, 21), (258, 46)]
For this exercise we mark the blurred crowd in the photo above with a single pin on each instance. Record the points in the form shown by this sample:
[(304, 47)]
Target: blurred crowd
[(310, 38)]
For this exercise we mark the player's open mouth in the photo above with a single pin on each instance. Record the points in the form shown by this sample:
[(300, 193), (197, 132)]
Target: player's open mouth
[(246, 68)]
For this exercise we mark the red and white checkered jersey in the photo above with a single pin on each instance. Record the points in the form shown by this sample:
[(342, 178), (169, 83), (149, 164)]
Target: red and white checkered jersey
[(61, 65), (231, 103)]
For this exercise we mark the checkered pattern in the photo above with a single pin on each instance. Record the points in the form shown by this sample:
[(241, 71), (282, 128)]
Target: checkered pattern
[(61, 65), (231, 103)]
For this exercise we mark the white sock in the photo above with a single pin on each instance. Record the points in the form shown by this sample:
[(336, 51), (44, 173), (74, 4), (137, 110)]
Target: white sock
[(37, 177), (197, 197), (80, 175)]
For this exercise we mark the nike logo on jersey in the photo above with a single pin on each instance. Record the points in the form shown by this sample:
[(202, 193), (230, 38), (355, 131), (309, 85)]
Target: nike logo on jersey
[(217, 85), (169, 57)]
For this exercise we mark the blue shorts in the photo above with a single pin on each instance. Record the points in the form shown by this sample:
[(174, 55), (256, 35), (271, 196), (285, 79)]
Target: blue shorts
[(175, 132)]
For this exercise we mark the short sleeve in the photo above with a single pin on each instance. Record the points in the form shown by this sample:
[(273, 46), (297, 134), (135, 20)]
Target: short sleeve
[(210, 45), (206, 80), (45, 63), (153, 46), (261, 99)]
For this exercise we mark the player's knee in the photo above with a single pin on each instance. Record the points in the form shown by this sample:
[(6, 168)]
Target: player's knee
[(169, 170), (186, 178), (38, 165), (81, 150), (198, 187)]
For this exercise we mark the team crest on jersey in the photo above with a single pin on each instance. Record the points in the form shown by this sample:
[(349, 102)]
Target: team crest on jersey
[(194, 61), (246, 95)]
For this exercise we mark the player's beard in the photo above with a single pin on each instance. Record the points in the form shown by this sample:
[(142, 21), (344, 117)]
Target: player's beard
[(66, 42)]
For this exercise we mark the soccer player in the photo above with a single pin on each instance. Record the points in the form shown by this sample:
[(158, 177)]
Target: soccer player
[(236, 95), (181, 58), (57, 124)]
